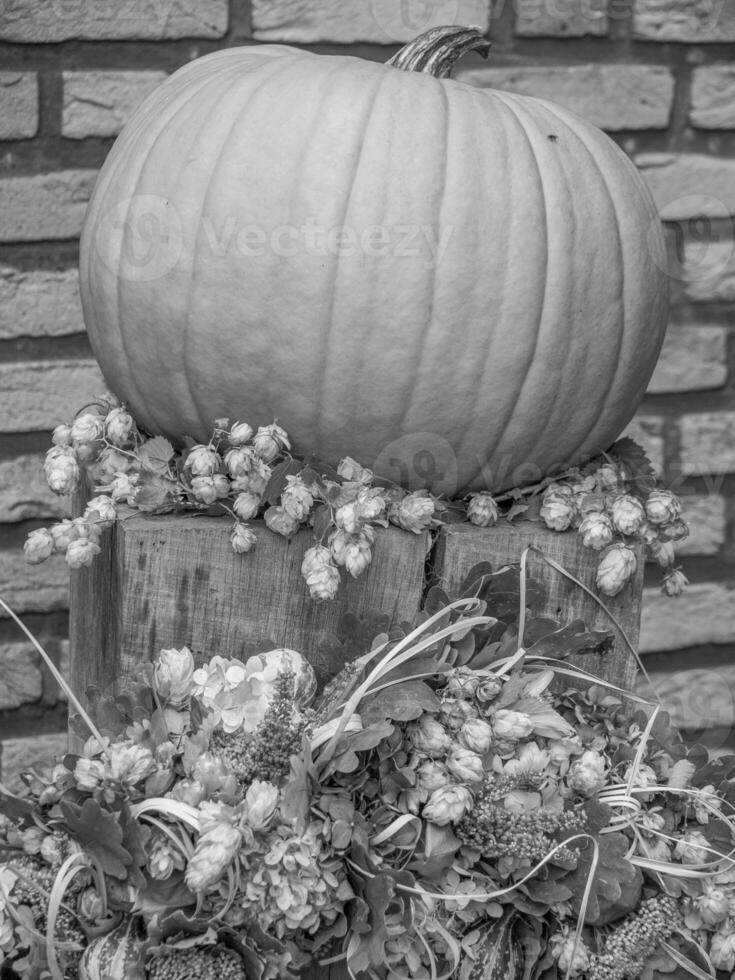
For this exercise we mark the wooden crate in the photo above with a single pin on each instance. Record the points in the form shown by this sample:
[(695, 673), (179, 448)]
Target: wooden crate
[(175, 581)]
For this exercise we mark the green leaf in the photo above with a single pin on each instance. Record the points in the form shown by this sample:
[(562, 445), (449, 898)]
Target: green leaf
[(156, 454), (99, 832), (400, 702), (616, 886), (277, 482), (632, 456), (574, 638), (156, 494), (14, 807), (322, 521)]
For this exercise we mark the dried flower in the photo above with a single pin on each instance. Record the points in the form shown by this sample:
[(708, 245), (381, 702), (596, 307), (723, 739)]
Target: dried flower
[(558, 509), (240, 433), (204, 490), (202, 461), (482, 511), (269, 441), (678, 530), (596, 530), (713, 905), (511, 725), (627, 513), (429, 736), (617, 564), (477, 735), (86, 429), (242, 539), (61, 435), (448, 804), (62, 469), (100, 508), (415, 512), (356, 552), (297, 499), (607, 477), (693, 848), (81, 553), (432, 775), (239, 462), (351, 470), (246, 505), (320, 573), (162, 860), (128, 763), (662, 507), (674, 582), (347, 518), (216, 848), (587, 774), (572, 957), (722, 949), (466, 765), (277, 520), (124, 487), (260, 804), (173, 674), (39, 546), (119, 426), (88, 774)]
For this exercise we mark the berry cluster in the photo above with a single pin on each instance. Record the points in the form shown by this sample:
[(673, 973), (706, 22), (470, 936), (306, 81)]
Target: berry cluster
[(629, 945), (201, 962)]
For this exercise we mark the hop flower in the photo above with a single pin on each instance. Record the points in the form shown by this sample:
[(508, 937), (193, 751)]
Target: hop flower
[(558, 509), (476, 735), (124, 487), (607, 477), (482, 511), (246, 505), (465, 765), (240, 433), (239, 462), (320, 573), (456, 711), (278, 521), (693, 848), (617, 564), (204, 490), (662, 507), (162, 861), (269, 441), (39, 546), (62, 469), (119, 426), (63, 534), (448, 804), (216, 848), (86, 429), (242, 539), (678, 530), (432, 775), (415, 512), (571, 957), (596, 530), (61, 436), (722, 950), (297, 499), (370, 503), (353, 551), (674, 582), (202, 461), (627, 513), (260, 804), (351, 471), (429, 736), (347, 518), (664, 553), (713, 905), (100, 508), (81, 553), (512, 725), (128, 763), (587, 774), (88, 774), (173, 675), (109, 463)]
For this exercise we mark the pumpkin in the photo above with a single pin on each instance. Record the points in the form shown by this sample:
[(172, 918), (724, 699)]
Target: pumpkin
[(116, 956), (461, 288)]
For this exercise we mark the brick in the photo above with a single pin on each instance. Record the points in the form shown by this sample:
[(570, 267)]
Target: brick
[(704, 614), (690, 21), (689, 185), (39, 303), (24, 493), (22, 680), (648, 431), (44, 206), (696, 699), (706, 516), (99, 103), (613, 97), (709, 268), (33, 752), (33, 588), (692, 359), (346, 21), (49, 21), (37, 395), (18, 105), (713, 97), (560, 18), (707, 442)]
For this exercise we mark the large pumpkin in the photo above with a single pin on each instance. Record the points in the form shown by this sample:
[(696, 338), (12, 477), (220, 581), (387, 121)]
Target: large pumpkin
[(462, 287)]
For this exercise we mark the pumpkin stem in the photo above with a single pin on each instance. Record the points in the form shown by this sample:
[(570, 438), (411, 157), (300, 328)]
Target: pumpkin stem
[(437, 51)]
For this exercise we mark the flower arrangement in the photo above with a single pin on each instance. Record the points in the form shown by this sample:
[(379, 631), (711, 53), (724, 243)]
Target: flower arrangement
[(612, 502), (458, 802)]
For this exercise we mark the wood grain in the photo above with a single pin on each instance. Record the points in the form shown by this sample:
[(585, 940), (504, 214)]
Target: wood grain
[(460, 546)]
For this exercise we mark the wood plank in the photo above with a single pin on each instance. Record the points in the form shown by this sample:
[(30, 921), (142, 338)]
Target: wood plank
[(460, 546), (175, 581)]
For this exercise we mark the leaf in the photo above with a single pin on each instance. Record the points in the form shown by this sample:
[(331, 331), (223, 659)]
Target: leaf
[(322, 520), (400, 702), (277, 482), (574, 638), (616, 887), (633, 457), (14, 807), (156, 494), (156, 454), (516, 509), (99, 832)]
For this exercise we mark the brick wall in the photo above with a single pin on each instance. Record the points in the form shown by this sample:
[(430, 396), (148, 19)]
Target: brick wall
[(658, 75)]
